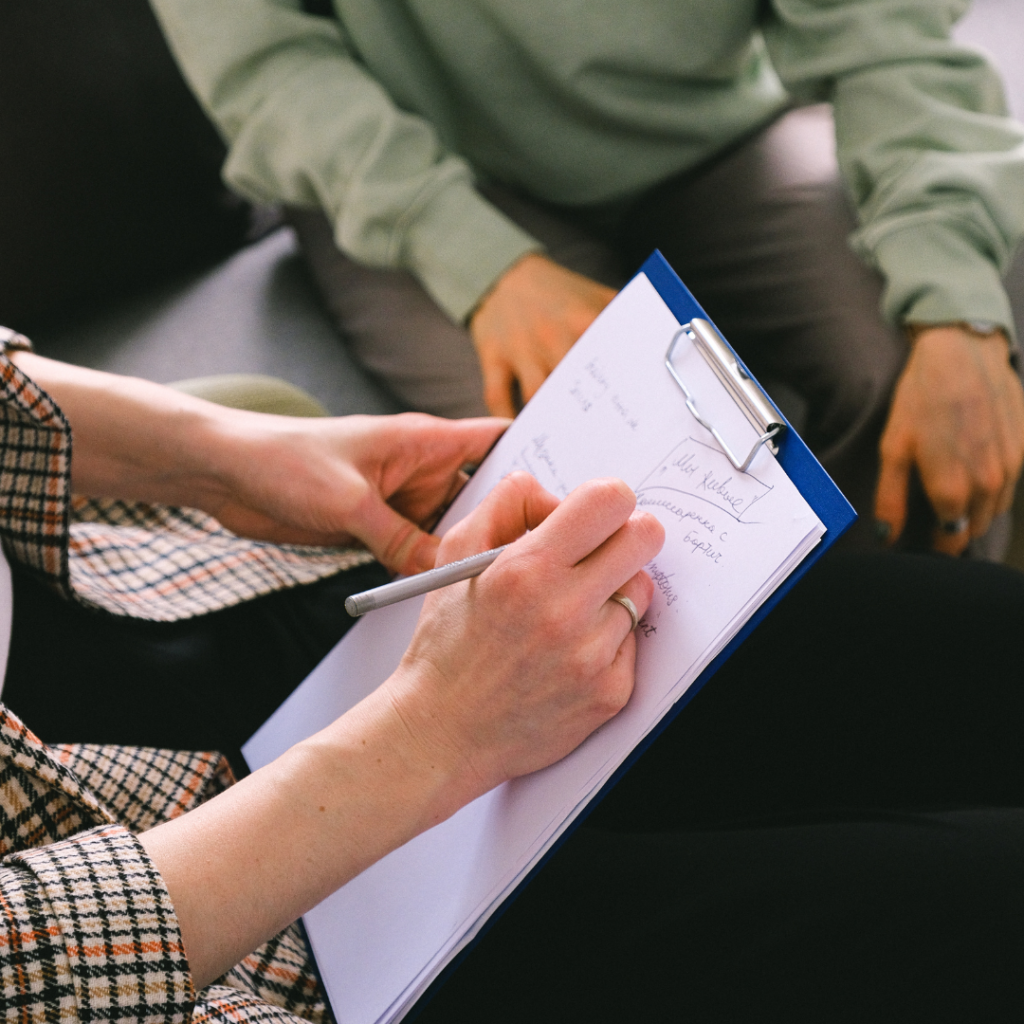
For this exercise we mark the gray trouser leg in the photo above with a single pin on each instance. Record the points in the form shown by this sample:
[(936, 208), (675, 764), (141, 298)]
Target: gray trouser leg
[(395, 331), (760, 239)]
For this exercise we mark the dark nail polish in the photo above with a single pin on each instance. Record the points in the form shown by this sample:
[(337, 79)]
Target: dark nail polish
[(882, 530)]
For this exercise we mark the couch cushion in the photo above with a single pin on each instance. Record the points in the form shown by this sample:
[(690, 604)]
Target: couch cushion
[(256, 312)]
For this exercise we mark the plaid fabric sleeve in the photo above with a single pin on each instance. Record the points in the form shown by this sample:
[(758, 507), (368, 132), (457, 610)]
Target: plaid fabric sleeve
[(87, 930), (222, 1004), (35, 484), (41, 800), (89, 934), (143, 786), (281, 972), (162, 563)]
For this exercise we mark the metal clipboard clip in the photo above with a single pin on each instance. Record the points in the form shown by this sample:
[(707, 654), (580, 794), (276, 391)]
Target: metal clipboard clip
[(742, 389)]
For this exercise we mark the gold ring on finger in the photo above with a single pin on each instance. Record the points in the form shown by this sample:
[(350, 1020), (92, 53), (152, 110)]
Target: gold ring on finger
[(630, 607)]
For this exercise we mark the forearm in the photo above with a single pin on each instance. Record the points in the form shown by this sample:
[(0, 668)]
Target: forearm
[(502, 678), (250, 862), (137, 440)]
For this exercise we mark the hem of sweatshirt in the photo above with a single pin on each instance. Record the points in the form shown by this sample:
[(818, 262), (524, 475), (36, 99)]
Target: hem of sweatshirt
[(458, 247), (935, 275)]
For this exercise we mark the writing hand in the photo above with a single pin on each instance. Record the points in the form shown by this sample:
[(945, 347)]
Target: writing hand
[(958, 416), (510, 671), (526, 324)]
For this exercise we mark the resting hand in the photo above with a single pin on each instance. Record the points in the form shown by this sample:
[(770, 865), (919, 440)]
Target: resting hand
[(958, 415), (509, 672), (524, 326), (373, 479)]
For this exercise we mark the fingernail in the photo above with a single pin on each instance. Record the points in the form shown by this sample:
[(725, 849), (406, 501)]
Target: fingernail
[(882, 530)]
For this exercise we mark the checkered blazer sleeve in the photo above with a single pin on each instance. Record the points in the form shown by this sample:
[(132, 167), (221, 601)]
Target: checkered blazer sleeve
[(88, 933), (87, 930)]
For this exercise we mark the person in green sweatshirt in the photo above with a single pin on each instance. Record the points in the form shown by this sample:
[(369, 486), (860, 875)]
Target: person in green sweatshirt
[(472, 179)]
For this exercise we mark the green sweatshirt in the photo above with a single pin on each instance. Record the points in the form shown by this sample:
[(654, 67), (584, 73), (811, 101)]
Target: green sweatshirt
[(388, 116)]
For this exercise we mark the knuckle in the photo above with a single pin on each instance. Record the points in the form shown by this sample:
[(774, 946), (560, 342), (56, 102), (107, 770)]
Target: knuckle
[(612, 492), (513, 580), (552, 634), (520, 480), (412, 420), (612, 695), (584, 663), (893, 446), (645, 588), (949, 493), (990, 479)]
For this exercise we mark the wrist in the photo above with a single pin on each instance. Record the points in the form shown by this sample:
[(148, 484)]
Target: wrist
[(983, 331), (134, 439), (180, 450), (335, 804), (511, 278), (394, 763)]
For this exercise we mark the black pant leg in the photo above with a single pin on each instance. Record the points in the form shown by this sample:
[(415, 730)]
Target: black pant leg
[(907, 918), (880, 681), (780, 852), (207, 683)]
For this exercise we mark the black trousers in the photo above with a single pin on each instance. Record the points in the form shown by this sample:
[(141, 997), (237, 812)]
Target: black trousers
[(832, 830), (208, 683)]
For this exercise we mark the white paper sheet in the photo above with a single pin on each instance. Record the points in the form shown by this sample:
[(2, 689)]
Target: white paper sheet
[(609, 409)]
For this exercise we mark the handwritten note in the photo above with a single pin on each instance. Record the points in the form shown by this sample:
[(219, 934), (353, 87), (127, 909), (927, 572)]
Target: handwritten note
[(536, 459), (610, 409), (692, 477)]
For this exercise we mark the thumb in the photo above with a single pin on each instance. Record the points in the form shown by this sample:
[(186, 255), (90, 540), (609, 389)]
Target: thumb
[(396, 542), (893, 485)]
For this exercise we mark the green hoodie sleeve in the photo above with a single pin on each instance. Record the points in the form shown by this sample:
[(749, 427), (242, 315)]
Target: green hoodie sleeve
[(932, 162), (307, 126)]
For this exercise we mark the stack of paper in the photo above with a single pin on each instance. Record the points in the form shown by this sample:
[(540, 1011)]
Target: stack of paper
[(610, 409)]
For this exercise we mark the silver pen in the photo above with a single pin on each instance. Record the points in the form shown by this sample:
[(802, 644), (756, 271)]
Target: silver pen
[(421, 583)]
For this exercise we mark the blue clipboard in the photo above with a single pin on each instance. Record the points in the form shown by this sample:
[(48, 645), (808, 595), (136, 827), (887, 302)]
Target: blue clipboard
[(818, 490)]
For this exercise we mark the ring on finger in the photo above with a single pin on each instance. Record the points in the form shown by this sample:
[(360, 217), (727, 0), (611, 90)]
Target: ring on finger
[(954, 526), (629, 606)]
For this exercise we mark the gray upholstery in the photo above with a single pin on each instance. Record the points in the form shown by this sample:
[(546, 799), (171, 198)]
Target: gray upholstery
[(254, 313)]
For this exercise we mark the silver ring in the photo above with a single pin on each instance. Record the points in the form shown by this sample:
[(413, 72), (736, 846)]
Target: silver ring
[(953, 526), (629, 606)]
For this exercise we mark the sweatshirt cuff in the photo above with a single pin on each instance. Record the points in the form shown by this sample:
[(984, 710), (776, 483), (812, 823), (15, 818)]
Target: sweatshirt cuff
[(107, 904), (460, 245), (934, 275)]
